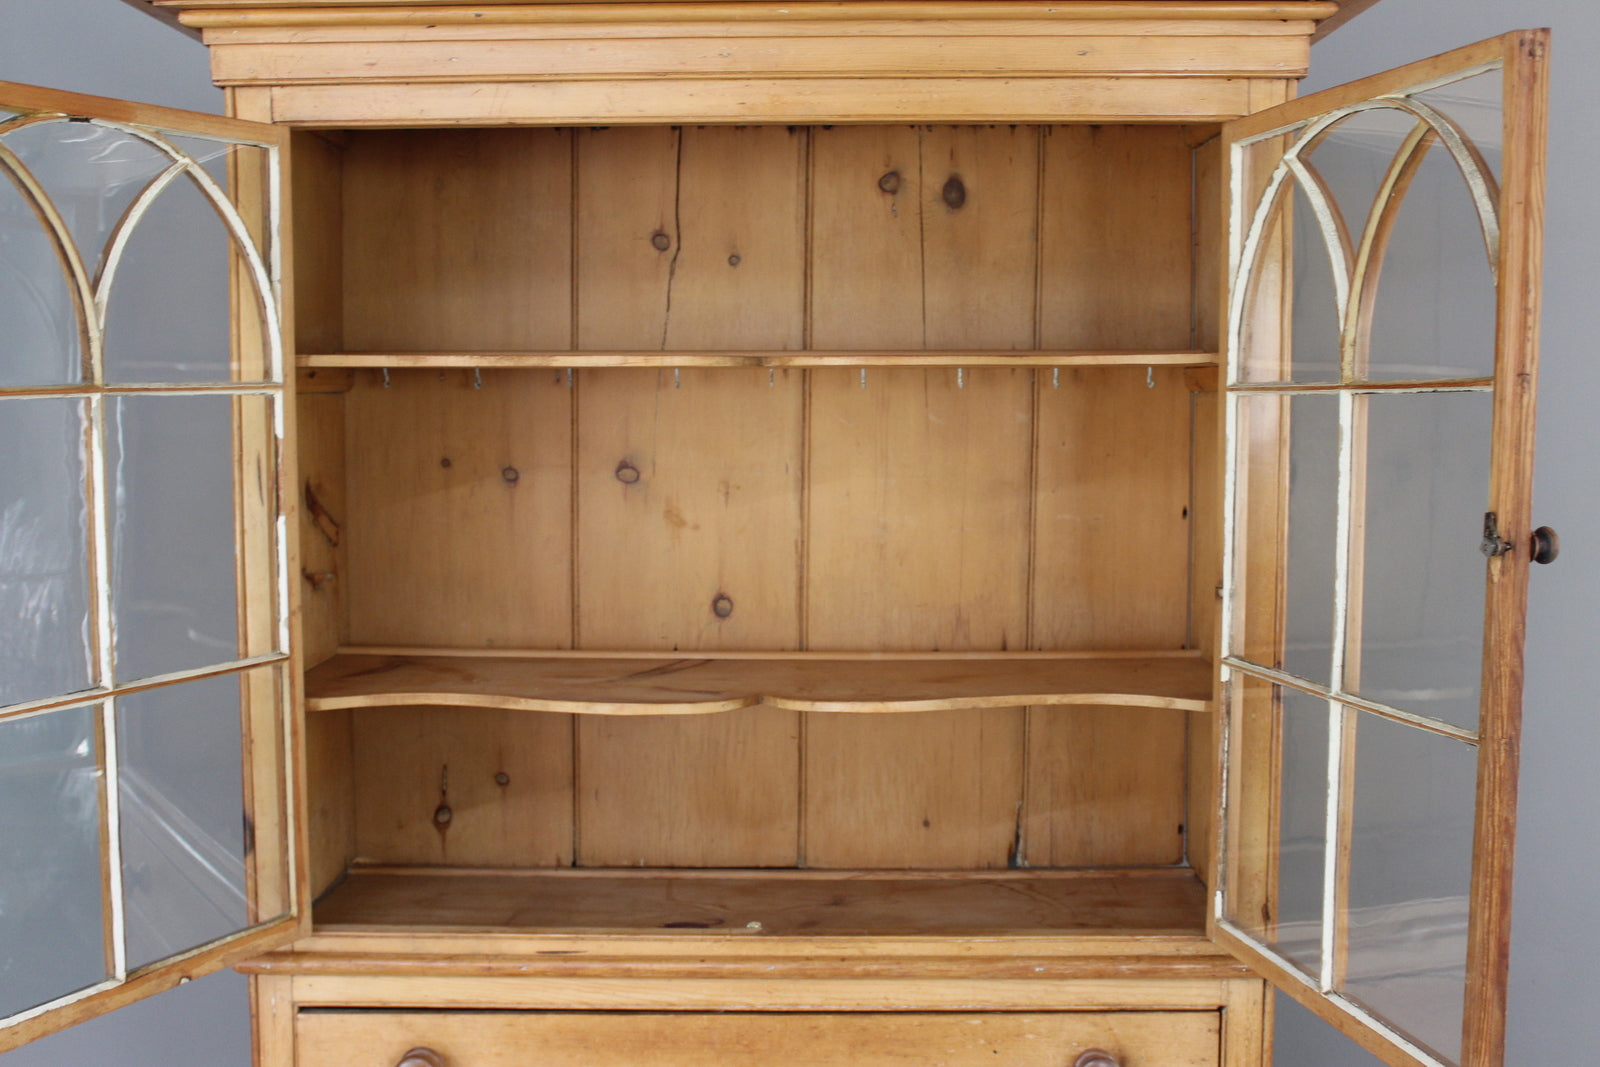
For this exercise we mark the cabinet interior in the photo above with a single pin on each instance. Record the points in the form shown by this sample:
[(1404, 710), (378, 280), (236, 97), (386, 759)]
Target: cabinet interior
[(554, 461)]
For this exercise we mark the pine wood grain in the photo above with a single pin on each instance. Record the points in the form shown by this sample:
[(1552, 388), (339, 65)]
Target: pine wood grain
[(723, 1040), (699, 904), (458, 239), (1115, 259), (450, 489), (1111, 570), (611, 683), (462, 787)]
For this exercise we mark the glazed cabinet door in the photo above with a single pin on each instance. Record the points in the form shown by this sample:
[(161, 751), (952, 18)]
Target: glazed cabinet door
[(1382, 327), (146, 706)]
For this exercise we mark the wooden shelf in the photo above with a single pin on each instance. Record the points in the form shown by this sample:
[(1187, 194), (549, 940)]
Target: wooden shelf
[(750, 904), (622, 683), (879, 358)]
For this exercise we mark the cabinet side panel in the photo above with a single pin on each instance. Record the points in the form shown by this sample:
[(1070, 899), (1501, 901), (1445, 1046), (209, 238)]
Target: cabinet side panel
[(460, 509), (317, 167), (1115, 258), (917, 538), (1208, 244), (1205, 610), (323, 512), (458, 240), (465, 787), (330, 788), (1106, 785)]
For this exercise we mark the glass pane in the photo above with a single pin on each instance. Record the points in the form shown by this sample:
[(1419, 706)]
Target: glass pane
[(1433, 314), (41, 343), (1476, 105), (52, 924), (92, 174), (1410, 869), (1315, 325), (1353, 155), (170, 465), (1285, 576), (181, 255), (1280, 818), (182, 793), (1422, 573), (44, 557), (1313, 524)]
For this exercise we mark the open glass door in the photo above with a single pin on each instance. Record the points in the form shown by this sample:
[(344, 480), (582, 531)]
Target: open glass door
[(1382, 332), (146, 715)]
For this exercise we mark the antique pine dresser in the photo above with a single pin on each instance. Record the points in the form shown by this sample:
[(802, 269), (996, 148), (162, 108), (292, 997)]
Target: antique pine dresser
[(861, 532)]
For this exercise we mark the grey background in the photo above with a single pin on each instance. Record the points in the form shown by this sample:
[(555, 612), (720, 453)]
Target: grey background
[(105, 47)]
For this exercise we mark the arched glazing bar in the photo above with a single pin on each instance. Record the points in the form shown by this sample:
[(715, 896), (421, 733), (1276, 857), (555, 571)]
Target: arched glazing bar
[(1356, 266), (95, 291)]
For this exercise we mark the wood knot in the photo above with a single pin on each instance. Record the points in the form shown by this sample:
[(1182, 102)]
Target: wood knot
[(660, 241), (954, 193), (890, 182), (510, 475), (627, 473), (722, 605)]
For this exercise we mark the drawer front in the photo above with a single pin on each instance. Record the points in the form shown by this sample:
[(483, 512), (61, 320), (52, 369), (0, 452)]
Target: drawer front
[(585, 1039)]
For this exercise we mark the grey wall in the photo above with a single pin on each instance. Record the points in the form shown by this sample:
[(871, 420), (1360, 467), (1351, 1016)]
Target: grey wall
[(107, 48), (1555, 965)]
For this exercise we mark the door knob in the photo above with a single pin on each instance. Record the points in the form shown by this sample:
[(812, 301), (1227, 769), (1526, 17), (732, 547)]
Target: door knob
[(1096, 1057), (422, 1057), (1546, 545)]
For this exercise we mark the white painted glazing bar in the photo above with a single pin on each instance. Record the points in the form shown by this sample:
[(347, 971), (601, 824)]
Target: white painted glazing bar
[(1346, 1006), (113, 788), (1408, 718), (89, 696)]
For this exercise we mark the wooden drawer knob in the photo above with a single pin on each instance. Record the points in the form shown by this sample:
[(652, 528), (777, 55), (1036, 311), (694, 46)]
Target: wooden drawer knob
[(422, 1057), (1096, 1057)]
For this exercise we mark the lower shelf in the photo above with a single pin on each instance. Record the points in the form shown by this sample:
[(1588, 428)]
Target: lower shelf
[(767, 904)]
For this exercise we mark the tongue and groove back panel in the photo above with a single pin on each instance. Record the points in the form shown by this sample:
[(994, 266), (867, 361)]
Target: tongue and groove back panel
[(745, 509)]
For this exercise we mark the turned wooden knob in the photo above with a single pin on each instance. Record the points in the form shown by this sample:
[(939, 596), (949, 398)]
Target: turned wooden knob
[(1096, 1057), (421, 1057)]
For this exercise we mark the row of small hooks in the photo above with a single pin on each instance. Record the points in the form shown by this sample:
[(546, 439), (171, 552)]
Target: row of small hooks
[(772, 380)]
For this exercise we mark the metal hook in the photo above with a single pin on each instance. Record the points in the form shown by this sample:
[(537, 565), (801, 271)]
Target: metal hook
[(569, 377), (771, 378), (1149, 377), (863, 377), (677, 378), (477, 377), (386, 377), (961, 377), (1055, 377)]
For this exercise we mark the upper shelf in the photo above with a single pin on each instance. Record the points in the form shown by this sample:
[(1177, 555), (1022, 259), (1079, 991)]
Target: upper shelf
[(791, 358), (623, 683)]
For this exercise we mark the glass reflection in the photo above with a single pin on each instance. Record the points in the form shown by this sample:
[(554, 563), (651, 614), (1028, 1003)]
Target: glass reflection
[(170, 464), (1410, 872), (1302, 828), (180, 255), (92, 174), (1476, 106), (182, 791), (1434, 311), (52, 916), (1422, 577), (45, 641)]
